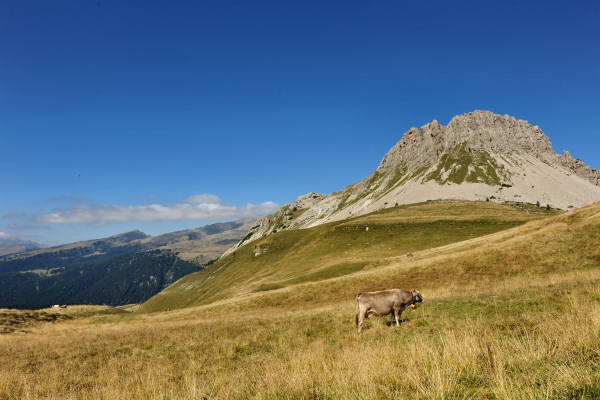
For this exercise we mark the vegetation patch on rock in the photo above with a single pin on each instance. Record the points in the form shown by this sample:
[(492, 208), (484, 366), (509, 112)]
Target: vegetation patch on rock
[(463, 164)]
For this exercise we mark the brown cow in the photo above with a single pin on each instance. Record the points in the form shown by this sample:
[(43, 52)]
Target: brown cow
[(392, 301)]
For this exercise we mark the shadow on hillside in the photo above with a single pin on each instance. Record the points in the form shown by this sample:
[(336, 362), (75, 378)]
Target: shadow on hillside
[(18, 321)]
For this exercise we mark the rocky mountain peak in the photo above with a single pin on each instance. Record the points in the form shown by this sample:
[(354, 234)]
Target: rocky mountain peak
[(481, 130)]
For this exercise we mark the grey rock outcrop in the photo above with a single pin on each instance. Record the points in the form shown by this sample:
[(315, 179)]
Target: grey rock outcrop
[(579, 168), (481, 130)]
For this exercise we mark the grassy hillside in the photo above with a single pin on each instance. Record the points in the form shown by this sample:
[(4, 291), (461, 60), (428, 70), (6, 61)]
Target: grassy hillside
[(514, 314), (291, 257)]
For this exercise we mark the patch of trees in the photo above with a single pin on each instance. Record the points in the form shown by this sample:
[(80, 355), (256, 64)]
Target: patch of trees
[(121, 279)]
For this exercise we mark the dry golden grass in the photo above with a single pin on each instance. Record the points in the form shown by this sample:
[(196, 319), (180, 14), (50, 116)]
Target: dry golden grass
[(512, 315), (543, 342)]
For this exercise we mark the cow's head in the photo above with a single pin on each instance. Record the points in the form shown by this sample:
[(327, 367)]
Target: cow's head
[(417, 297)]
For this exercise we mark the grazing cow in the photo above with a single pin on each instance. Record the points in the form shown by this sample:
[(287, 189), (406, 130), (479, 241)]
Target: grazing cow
[(392, 301)]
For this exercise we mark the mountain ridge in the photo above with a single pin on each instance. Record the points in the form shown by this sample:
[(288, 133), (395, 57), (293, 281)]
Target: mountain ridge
[(11, 245), (477, 156), (124, 268)]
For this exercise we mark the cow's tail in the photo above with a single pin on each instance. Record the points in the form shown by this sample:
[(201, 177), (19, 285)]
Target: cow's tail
[(357, 310)]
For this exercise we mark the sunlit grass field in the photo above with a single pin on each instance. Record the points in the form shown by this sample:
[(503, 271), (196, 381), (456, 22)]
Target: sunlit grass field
[(513, 314)]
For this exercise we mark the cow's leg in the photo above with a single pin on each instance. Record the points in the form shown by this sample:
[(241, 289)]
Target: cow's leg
[(360, 322), (361, 317), (400, 311), (397, 313)]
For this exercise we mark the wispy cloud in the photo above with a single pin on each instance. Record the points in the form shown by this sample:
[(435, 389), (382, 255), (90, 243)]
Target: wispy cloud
[(201, 206), (68, 199), (203, 198), (138, 196), (4, 235), (28, 227), (14, 215)]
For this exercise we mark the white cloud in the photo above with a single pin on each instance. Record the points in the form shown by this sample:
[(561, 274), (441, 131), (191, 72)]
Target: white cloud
[(203, 198), (4, 235), (202, 207)]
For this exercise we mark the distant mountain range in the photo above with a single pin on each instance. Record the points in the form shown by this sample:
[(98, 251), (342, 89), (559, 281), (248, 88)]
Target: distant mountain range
[(10, 246), (120, 269), (477, 156)]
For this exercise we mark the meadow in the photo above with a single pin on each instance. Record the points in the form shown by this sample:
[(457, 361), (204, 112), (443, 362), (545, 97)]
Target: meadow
[(335, 249), (507, 315)]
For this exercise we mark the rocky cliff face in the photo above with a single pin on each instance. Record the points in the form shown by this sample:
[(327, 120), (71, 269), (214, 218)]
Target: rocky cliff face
[(477, 156), (481, 130), (579, 168), (484, 131)]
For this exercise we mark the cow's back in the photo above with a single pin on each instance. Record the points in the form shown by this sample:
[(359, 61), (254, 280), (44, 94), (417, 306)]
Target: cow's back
[(381, 301)]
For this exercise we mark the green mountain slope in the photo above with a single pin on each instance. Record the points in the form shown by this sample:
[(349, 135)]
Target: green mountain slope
[(330, 250)]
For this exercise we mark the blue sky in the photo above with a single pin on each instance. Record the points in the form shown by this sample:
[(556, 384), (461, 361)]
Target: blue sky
[(117, 115)]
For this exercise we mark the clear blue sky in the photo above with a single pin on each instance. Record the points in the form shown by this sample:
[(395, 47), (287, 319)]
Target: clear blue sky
[(108, 107)]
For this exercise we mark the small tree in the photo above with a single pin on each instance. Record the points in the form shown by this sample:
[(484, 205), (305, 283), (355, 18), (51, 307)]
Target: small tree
[(537, 203), (547, 207)]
